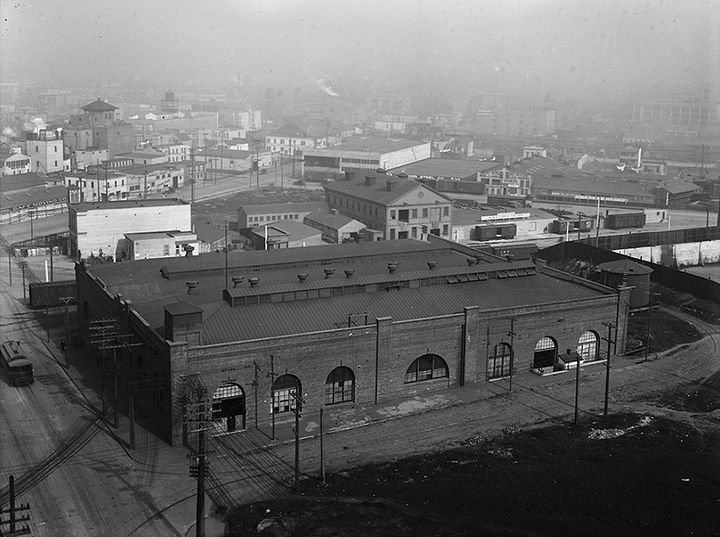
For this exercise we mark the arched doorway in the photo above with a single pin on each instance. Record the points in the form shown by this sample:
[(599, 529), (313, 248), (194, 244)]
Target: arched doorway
[(285, 389), (340, 386), (588, 347), (545, 353), (499, 362), (426, 367), (228, 408)]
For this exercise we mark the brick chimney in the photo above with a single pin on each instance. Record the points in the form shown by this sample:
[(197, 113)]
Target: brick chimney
[(369, 180), (183, 322)]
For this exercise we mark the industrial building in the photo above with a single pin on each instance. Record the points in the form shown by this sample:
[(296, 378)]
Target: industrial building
[(364, 153), (390, 206), (335, 325), (99, 229)]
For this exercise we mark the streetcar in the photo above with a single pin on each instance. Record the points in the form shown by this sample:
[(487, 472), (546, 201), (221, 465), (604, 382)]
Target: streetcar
[(19, 367)]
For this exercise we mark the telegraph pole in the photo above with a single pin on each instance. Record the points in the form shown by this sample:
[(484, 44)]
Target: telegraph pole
[(577, 384), (255, 385), (200, 505), (23, 266), (192, 174), (296, 409), (609, 341), (272, 393), (511, 333), (22, 510), (226, 255), (322, 449)]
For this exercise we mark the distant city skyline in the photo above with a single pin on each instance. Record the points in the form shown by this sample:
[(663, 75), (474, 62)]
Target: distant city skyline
[(581, 48)]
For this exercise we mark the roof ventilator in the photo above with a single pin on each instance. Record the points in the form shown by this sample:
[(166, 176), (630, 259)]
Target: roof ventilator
[(191, 285)]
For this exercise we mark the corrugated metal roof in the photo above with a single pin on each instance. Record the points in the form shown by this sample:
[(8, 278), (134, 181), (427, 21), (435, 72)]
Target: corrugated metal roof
[(272, 320), (445, 167), (331, 220)]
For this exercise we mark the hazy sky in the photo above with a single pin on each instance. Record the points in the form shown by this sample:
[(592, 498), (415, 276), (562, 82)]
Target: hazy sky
[(572, 46)]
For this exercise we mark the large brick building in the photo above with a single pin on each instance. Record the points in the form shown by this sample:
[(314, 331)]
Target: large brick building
[(341, 325), (391, 206)]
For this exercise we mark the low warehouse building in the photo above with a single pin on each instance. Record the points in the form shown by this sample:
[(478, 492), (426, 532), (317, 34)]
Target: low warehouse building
[(339, 324)]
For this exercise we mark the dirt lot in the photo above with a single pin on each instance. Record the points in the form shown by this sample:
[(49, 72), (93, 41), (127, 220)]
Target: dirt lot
[(632, 474), (653, 472), (217, 209)]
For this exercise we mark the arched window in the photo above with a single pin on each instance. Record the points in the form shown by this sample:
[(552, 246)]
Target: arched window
[(427, 367), (285, 389), (499, 362), (588, 348), (228, 403), (545, 353), (340, 386)]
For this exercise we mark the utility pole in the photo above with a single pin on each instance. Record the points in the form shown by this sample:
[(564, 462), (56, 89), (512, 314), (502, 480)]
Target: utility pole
[(66, 300), (272, 393), (511, 333), (52, 276), (10, 256), (226, 255), (192, 174), (32, 233), (577, 384), (200, 505), (23, 266), (255, 384), (296, 409), (22, 510), (578, 224), (104, 333), (609, 341), (322, 449)]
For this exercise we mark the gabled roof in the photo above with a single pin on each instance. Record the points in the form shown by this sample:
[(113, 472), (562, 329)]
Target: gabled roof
[(378, 192), (289, 131), (99, 105), (32, 197), (679, 187), (544, 166), (295, 230), (329, 219), (442, 167), (22, 181)]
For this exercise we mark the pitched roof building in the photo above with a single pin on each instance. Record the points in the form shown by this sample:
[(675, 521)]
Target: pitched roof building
[(391, 206), (343, 325)]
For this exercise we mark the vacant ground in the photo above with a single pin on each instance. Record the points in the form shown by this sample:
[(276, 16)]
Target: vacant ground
[(632, 474), (653, 468)]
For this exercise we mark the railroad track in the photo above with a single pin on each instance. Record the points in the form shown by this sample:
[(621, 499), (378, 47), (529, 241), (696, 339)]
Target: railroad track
[(29, 274), (62, 454)]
